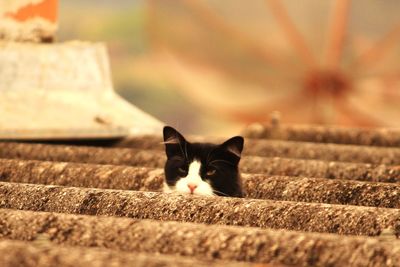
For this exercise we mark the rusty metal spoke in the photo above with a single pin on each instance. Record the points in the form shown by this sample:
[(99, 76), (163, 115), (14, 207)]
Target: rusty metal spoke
[(337, 31), (216, 22), (379, 50), (292, 34)]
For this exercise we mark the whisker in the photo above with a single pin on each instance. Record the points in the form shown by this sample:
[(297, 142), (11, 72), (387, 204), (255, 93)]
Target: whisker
[(216, 191), (178, 158), (172, 141), (186, 151), (216, 167)]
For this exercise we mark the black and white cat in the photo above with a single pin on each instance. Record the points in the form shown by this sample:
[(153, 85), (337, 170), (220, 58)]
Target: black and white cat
[(202, 168)]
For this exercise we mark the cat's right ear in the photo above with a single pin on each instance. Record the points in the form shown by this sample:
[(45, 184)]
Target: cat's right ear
[(234, 145), (174, 142)]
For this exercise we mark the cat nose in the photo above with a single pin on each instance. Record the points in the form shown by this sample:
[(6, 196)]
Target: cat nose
[(192, 187)]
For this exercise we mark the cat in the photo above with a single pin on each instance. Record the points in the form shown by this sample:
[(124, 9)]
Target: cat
[(202, 168)]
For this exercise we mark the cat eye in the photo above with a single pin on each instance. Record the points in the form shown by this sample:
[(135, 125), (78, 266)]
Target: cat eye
[(211, 172), (182, 170)]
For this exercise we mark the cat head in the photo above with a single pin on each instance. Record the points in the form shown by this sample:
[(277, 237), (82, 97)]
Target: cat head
[(202, 168)]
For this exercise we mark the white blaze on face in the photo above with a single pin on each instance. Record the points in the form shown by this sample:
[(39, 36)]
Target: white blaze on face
[(192, 183)]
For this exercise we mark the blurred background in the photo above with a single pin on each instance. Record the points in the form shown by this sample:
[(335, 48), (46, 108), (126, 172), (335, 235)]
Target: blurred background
[(215, 66)]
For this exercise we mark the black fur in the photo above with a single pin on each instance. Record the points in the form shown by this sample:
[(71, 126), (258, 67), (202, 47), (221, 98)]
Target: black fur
[(223, 158)]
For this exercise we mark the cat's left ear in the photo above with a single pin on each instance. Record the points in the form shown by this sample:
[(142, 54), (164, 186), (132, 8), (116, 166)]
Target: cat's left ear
[(234, 145), (172, 136), (174, 142)]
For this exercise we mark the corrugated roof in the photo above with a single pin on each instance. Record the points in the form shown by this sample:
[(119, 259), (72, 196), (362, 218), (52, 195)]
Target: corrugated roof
[(296, 193)]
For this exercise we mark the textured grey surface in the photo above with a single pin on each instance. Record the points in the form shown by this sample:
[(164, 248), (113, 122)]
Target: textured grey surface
[(82, 154), (322, 190), (310, 217), (321, 169), (326, 134), (150, 179), (223, 233), (201, 241), (81, 175), (290, 149), (45, 254), (156, 158)]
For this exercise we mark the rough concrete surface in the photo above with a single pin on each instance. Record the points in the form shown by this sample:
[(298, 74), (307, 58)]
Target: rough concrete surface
[(321, 169), (204, 229), (81, 175), (290, 149), (150, 179), (156, 158), (310, 217), (200, 241), (322, 190), (82, 154), (326, 134), (45, 254)]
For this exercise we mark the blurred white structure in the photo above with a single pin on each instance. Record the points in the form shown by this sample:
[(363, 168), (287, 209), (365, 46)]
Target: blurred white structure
[(63, 91)]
